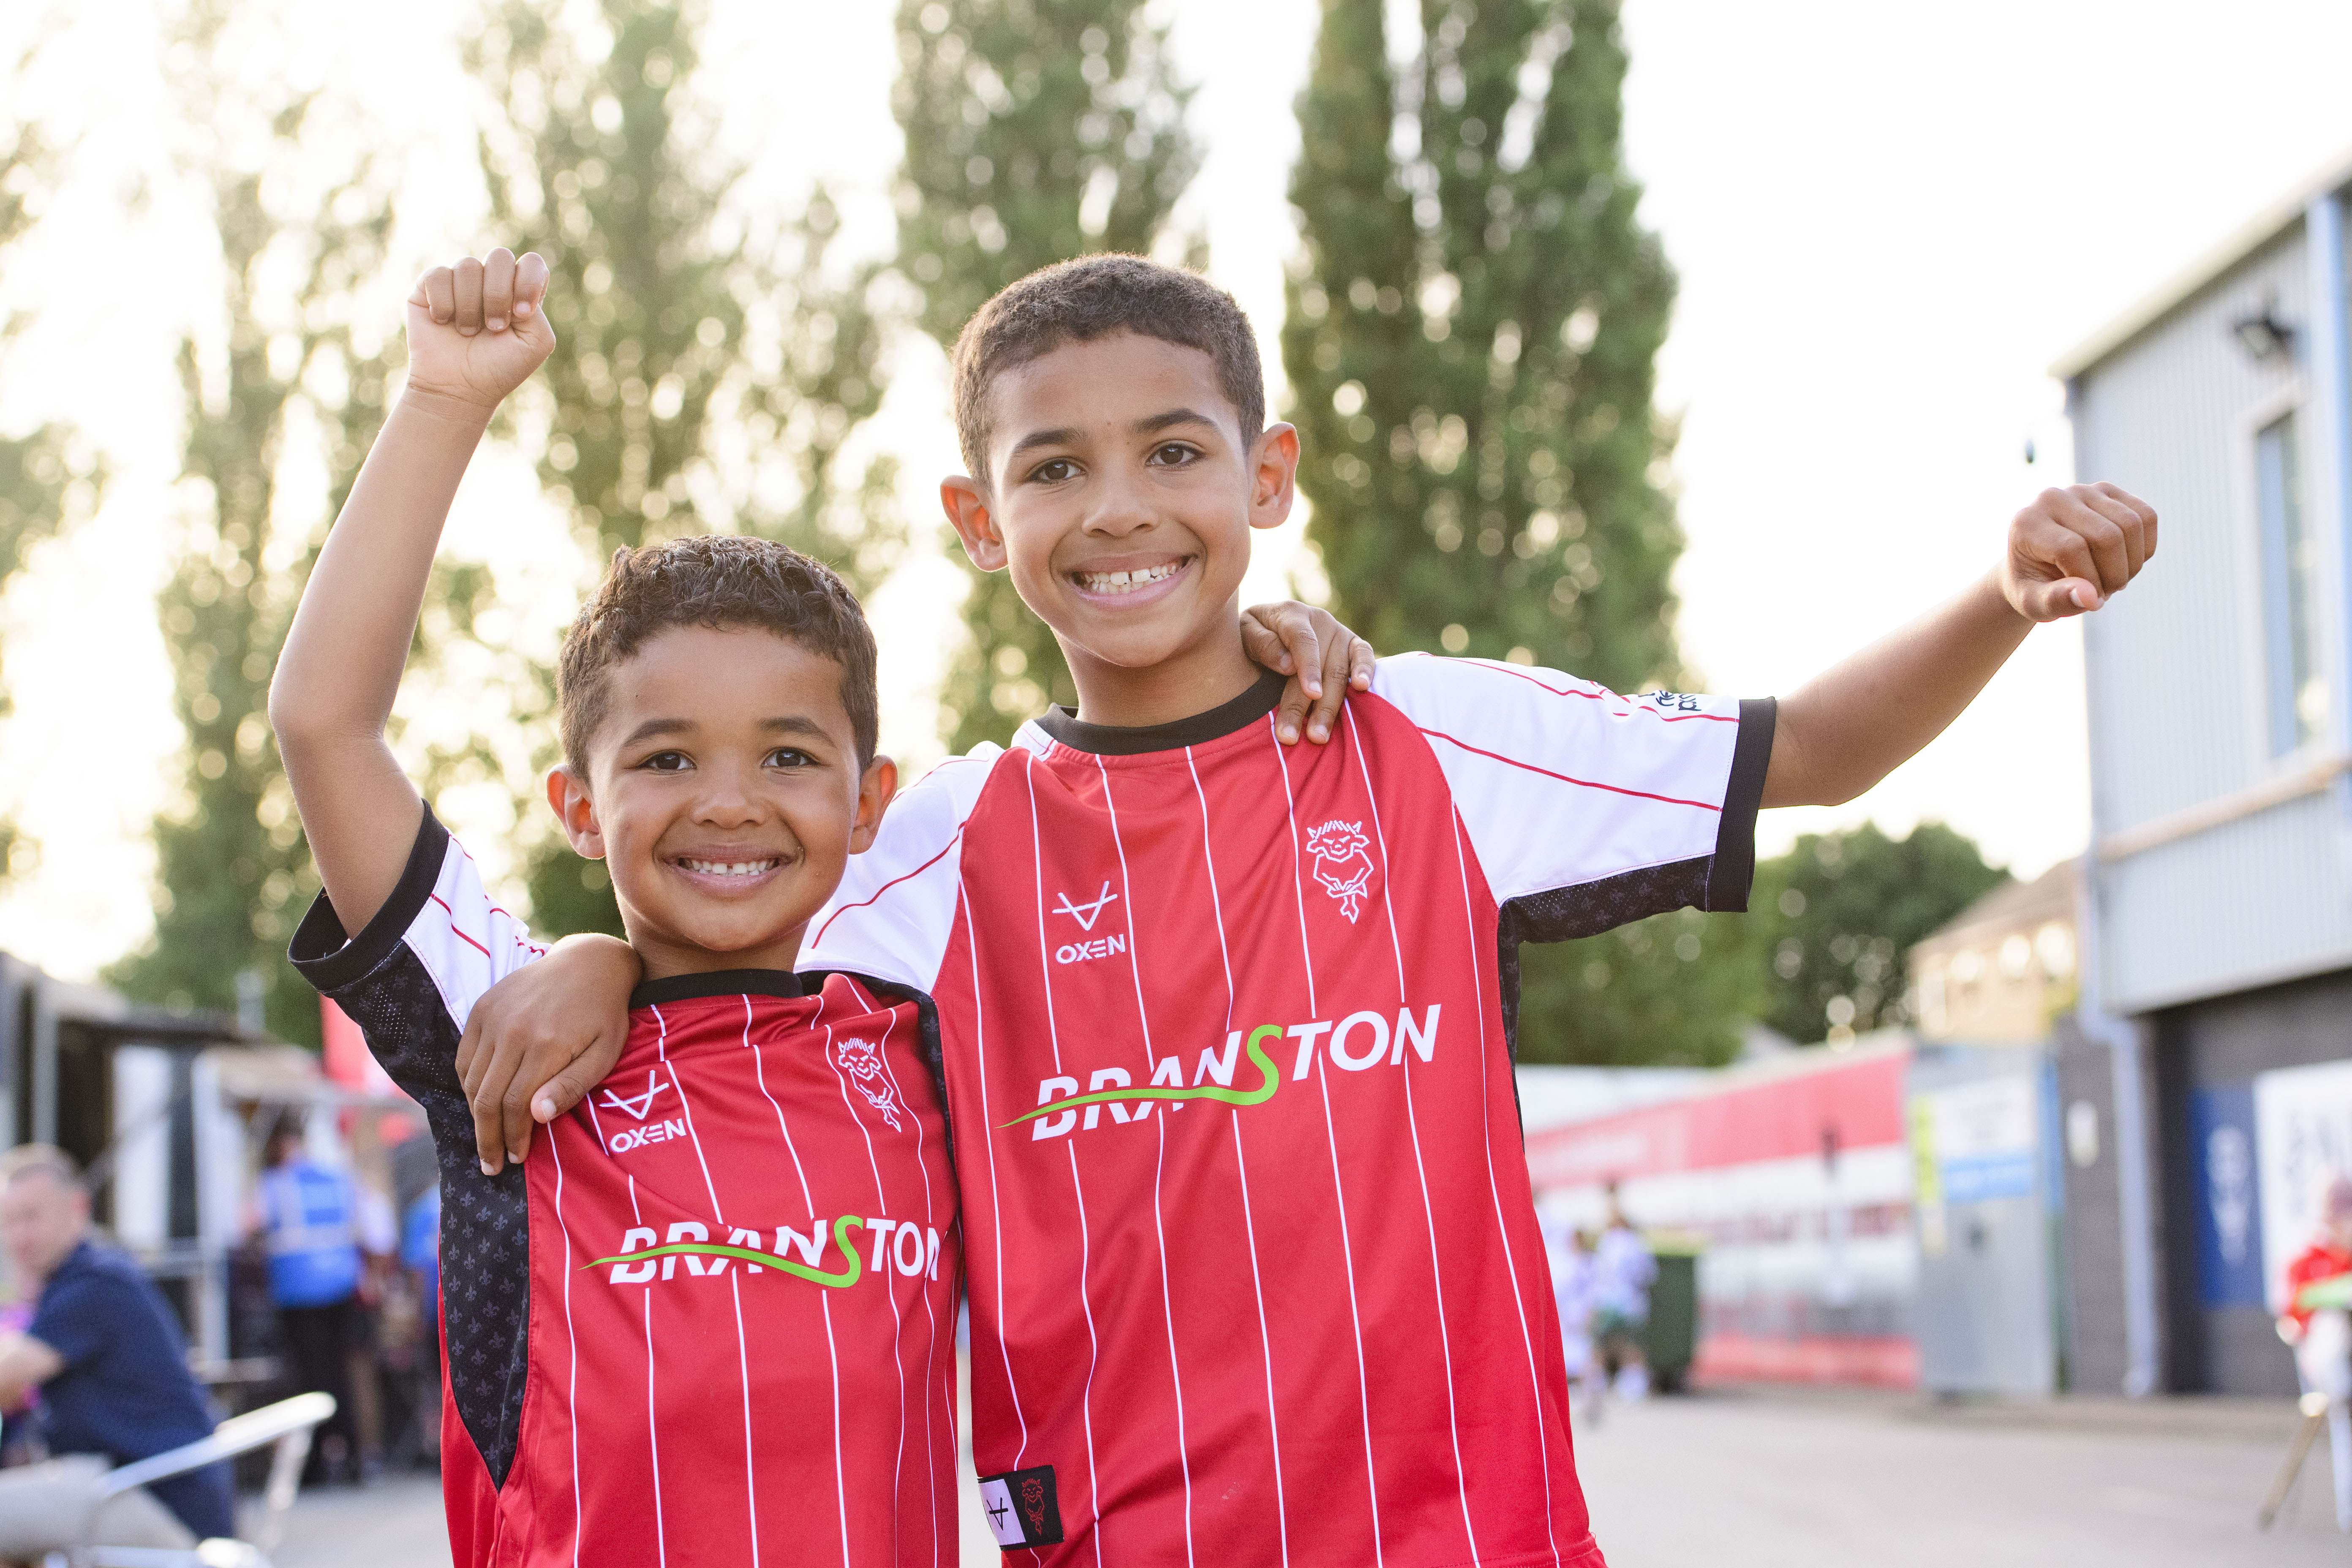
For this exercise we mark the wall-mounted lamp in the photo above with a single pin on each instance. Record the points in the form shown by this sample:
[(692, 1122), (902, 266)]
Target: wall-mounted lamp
[(2263, 334)]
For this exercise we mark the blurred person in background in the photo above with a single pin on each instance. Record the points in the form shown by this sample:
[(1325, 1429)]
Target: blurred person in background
[(1623, 1272), (420, 1255), (111, 1366), (416, 1361), (310, 1217), (1575, 1275), (379, 1321), (2322, 1337)]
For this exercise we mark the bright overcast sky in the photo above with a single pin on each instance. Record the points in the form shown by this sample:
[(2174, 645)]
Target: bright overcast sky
[(1888, 219)]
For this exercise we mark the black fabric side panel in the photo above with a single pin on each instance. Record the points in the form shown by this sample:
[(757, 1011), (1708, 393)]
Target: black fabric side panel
[(1734, 870), (329, 958), (484, 1220), (1566, 914)]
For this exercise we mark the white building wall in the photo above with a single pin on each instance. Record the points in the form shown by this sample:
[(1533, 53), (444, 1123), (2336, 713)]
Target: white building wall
[(2177, 680)]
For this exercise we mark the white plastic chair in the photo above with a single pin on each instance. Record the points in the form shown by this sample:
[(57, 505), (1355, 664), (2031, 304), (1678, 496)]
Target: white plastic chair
[(289, 1423)]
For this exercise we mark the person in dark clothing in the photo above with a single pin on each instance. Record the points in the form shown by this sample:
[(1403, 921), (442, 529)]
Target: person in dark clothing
[(309, 1215), (111, 1366)]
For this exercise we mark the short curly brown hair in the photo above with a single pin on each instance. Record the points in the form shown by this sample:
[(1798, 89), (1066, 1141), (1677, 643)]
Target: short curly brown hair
[(1091, 297), (712, 580)]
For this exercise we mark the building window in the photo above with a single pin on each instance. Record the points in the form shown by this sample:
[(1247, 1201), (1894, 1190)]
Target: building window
[(2291, 587)]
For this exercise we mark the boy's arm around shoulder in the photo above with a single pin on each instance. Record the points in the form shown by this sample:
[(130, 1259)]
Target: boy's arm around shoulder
[(340, 667), (2069, 552)]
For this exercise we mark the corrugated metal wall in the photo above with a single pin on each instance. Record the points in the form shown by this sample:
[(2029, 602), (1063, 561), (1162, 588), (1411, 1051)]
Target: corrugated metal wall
[(2176, 671)]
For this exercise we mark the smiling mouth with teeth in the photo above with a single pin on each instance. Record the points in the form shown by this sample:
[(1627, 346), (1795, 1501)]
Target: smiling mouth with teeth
[(1128, 582), (727, 867)]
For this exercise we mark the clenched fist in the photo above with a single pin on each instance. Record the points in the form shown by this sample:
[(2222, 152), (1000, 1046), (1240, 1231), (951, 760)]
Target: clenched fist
[(477, 329), (2073, 550)]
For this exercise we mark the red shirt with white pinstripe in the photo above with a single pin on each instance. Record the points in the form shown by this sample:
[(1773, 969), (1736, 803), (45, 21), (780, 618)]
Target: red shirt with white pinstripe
[(1255, 1271), (711, 1317), (743, 1291)]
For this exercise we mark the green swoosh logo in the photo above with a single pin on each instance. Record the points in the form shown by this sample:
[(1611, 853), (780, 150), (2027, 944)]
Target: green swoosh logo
[(845, 1275), (1270, 1080)]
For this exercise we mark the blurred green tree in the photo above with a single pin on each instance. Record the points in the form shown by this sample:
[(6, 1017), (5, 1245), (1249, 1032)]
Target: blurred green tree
[(1839, 912), (302, 221), (1470, 341), (1036, 130), (1674, 990), (48, 477), (714, 359)]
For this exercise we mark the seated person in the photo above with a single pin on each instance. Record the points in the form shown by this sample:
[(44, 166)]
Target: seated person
[(112, 1370)]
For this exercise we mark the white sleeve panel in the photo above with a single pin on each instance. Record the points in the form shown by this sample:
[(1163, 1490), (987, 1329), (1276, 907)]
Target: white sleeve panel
[(1561, 783), (893, 914), (465, 941)]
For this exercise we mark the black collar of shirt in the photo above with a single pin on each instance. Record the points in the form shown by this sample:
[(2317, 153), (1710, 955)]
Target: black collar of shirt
[(718, 983), (1129, 740)]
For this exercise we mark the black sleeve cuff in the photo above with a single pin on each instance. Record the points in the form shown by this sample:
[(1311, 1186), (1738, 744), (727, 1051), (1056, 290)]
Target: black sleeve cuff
[(1732, 871), (328, 959)]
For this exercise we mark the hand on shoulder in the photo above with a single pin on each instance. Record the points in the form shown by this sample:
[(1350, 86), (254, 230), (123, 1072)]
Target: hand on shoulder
[(2071, 550), (477, 328)]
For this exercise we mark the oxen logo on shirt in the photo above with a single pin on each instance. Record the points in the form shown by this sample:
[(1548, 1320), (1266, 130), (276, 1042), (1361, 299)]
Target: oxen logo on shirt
[(865, 1065), (1341, 864), (637, 1107)]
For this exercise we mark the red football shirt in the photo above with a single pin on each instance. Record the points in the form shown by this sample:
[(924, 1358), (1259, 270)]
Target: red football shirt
[(711, 1319), (1254, 1269)]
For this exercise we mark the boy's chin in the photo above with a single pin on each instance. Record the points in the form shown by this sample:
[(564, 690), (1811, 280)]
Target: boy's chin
[(1145, 635), (735, 937)]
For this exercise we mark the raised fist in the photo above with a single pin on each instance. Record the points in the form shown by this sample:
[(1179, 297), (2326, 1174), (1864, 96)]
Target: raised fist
[(2073, 550), (477, 329)]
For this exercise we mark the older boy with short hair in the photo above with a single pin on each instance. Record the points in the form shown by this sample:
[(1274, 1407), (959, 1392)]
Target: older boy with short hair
[(1254, 1269)]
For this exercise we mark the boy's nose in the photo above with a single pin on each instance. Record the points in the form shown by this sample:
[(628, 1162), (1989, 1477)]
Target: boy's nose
[(1121, 508), (726, 798)]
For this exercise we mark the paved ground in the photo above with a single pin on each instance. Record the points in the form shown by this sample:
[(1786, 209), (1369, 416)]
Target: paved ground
[(1845, 1480), (1768, 1479)]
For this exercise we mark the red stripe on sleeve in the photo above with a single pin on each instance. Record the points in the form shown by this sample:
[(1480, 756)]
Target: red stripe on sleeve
[(1585, 783)]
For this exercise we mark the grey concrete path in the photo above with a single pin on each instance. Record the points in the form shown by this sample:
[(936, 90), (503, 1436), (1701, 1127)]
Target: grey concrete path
[(396, 1523), (1781, 1479), (1844, 1481)]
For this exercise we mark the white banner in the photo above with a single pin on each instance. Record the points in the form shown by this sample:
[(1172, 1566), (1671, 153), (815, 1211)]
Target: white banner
[(2303, 1135)]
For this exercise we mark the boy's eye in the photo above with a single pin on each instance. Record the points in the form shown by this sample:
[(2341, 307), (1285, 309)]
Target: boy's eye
[(1174, 455), (667, 763), (789, 757), (1053, 471)]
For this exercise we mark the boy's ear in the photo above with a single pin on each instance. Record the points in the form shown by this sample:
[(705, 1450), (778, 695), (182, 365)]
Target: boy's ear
[(876, 787), (966, 504), (567, 792), (1274, 481)]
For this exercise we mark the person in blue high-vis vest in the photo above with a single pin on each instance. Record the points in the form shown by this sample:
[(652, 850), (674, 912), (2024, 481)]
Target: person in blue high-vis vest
[(308, 1215)]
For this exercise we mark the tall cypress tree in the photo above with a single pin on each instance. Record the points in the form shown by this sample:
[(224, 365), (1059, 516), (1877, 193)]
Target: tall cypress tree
[(711, 362), (1036, 130), (1470, 341), (233, 872)]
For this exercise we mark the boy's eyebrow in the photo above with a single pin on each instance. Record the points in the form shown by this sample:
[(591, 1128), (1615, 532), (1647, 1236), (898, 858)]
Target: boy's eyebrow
[(1154, 424), (786, 724), (1058, 438), (652, 728), (1150, 425)]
